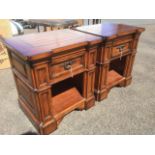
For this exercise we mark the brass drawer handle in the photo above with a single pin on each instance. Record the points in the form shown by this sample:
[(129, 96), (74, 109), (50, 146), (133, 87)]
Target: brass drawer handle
[(68, 65)]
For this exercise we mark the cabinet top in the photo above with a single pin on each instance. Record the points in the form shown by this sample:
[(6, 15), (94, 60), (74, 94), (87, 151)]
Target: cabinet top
[(39, 45), (109, 30)]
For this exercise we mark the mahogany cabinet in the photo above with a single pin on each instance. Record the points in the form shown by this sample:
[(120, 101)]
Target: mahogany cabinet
[(116, 55), (54, 74)]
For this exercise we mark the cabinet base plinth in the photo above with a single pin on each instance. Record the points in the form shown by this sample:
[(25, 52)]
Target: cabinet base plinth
[(42, 127), (47, 128), (101, 95), (126, 82), (89, 103)]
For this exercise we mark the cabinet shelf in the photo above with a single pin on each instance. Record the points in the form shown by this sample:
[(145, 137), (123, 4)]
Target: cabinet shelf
[(114, 78), (66, 102)]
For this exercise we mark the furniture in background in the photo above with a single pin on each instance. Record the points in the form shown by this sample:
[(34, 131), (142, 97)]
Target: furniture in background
[(56, 24), (54, 74), (94, 21), (116, 55), (53, 24)]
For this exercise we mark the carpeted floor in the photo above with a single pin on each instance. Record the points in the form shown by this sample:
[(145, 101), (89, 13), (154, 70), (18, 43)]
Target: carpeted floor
[(129, 110)]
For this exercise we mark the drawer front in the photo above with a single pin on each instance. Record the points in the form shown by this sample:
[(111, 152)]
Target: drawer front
[(120, 49), (69, 67)]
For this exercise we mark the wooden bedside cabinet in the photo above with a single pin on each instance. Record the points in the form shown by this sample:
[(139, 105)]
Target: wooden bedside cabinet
[(116, 57), (54, 74)]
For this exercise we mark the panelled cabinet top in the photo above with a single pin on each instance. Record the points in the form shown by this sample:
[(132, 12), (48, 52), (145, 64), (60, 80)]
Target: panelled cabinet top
[(40, 45), (109, 30)]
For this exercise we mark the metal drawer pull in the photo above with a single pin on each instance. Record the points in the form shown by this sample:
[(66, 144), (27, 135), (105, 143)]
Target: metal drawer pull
[(121, 47), (68, 65)]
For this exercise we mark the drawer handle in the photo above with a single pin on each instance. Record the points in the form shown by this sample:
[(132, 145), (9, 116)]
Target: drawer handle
[(68, 65), (121, 47)]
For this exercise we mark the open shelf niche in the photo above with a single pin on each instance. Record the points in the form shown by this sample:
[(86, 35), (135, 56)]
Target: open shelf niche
[(67, 96), (116, 72)]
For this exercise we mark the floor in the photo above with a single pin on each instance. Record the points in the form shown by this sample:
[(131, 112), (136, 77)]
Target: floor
[(129, 110)]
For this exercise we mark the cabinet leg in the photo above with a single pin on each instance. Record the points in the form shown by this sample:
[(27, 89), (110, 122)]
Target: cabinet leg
[(44, 127), (89, 103), (81, 107), (126, 82), (48, 127), (99, 96)]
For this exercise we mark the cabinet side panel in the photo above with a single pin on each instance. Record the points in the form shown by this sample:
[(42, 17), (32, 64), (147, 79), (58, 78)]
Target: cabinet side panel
[(21, 67), (27, 96)]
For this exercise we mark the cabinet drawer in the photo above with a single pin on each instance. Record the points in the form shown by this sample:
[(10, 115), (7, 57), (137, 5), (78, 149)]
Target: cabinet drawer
[(67, 68), (120, 49)]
